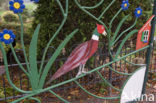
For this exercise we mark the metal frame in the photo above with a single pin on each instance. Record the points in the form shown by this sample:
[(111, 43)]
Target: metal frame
[(149, 50)]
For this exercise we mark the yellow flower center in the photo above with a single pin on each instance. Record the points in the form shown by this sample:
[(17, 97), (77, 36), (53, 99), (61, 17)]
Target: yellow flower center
[(125, 5), (6, 36), (138, 11), (16, 5)]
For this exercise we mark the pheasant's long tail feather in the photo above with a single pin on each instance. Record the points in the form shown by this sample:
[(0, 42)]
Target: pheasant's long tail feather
[(56, 75)]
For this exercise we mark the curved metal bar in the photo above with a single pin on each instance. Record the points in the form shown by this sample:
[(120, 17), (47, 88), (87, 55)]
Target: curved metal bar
[(111, 54), (56, 33), (60, 5), (73, 79), (118, 28), (124, 40), (20, 65), (106, 9), (65, 101), (93, 7), (105, 98), (7, 72), (22, 43), (128, 74), (46, 49), (36, 99), (134, 63), (67, 5), (107, 81), (91, 15), (53, 58), (110, 24), (125, 32)]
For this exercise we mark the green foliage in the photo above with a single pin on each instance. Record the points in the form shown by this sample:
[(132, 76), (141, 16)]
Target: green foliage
[(104, 87), (26, 15), (49, 15), (2, 93), (1, 12), (9, 16), (30, 7)]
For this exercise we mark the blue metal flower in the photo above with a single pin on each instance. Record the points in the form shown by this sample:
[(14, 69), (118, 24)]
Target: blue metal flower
[(7, 36), (36, 1), (17, 6), (125, 5), (138, 12)]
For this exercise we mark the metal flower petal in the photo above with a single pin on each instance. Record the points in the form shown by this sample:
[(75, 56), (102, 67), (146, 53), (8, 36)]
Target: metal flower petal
[(138, 12), (125, 5), (5, 31), (36, 1), (17, 6), (7, 36), (20, 1), (11, 3)]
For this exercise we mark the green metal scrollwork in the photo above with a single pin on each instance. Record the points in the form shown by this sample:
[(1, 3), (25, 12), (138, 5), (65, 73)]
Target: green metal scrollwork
[(37, 74)]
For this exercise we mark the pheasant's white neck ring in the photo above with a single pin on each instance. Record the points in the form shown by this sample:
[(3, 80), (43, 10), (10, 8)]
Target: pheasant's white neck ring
[(95, 37)]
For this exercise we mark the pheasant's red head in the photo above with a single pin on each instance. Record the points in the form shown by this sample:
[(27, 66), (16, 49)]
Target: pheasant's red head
[(101, 29)]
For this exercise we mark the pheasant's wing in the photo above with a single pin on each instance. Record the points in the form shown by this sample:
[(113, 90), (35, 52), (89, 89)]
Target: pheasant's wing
[(74, 60)]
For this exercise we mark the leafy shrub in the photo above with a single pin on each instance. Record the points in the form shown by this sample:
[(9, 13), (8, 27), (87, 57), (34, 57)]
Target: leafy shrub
[(26, 15), (9, 17)]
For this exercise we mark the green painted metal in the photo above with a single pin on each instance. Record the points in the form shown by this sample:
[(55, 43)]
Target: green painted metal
[(35, 99), (109, 84), (119, 27), (65, 101), (31, 94), (53, 58), (115, 41), (134, 63), (128, 74), (105, 98), (123, 42), (56, 33), (20, 65), (33, 60), (93, 7), (22, 42), (91, 15), (37, 74), (110, 24), (7, 71), (142, 38), (113, 1)]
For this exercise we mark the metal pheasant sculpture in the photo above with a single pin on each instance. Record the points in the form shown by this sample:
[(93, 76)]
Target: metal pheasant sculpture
[(81, 54)]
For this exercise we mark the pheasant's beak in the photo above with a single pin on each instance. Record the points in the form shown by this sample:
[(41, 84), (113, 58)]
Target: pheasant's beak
[(104, 33)]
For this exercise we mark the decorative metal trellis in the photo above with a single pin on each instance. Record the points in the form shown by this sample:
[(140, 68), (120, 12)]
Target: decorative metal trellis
[(37, 76)]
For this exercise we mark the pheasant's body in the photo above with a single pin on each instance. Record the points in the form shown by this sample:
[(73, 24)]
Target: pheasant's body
[(78, 57), (81, 54)]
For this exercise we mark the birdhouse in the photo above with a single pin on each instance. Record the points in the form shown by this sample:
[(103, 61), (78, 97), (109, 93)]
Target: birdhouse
[(144, 34)]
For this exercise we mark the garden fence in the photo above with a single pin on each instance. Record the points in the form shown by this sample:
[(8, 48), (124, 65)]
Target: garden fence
[(18, 77)]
